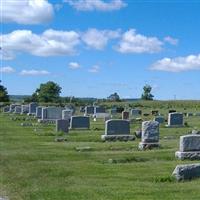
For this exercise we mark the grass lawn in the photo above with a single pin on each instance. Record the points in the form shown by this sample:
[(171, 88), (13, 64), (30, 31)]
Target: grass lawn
[(34, 167)]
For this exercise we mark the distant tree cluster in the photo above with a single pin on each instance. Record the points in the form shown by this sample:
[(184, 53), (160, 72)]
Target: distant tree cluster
[(114, 97), (3, 93)]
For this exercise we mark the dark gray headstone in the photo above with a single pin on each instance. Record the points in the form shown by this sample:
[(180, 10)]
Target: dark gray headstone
[(39, 112), (25, 109), (32, 108), (18, 109), (136, 112), (52, 113), (62, 125), (89, 110), (117, 127), (159, 119), (6, 109), (175, 119), (80, 122), (125, 115), (99, 109)]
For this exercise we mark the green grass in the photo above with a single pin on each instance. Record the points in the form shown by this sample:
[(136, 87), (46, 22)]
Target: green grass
[(35, 167)]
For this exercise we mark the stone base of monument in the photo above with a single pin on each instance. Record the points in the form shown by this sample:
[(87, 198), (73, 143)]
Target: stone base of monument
[(148, 145), (47, 121), (174, 126), (118, 137), (191, 155)]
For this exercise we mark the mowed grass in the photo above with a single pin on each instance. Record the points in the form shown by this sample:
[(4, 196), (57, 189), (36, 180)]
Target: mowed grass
[(34, 167)]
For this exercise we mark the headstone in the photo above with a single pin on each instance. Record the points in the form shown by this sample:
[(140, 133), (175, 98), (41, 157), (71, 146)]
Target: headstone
[(150, 135), (101, 115), (197, 114), (116, 129), (66, 114), (18, 109), (175, 119), (189, 147), (125, 115), (12, 107), (80, 122), (187, 172), (99, 109), (32, 108), (39, 112), (25, 109), (159, 119), (89, 110), (6, 109), (189, 114), (51, 113), (136, 112), (62, 125)]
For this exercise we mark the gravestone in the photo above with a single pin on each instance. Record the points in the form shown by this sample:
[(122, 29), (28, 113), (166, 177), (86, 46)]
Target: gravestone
[(18, 109), (51, 114), (66, 114), (12, 107), (117, 129), (99, 109), (189, 114), (150, 135), (113, 111), (197, 114), (32, 108), (25, 109), (136, 112), (159, 119), (80, 122), (101, 115), (175, 119), (187, 172), (189, 147), (39, 112), (125, 115), (89, 110), (6, 109), (82, 109), (62, 125)]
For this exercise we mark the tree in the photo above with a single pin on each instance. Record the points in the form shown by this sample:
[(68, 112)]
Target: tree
[(147, 93), (114, 97), (3, 94), (47, 92)]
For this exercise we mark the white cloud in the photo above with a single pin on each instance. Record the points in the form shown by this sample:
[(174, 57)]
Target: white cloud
[(7, 70), (94, 69), (170, 40), (178, 64), (98, 39), (100, 5), (49, 43), (34, 72), (132, 42), (26, 11), (74, 65)]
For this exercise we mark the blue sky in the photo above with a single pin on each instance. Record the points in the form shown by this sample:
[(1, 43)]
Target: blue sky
[(93, 48)]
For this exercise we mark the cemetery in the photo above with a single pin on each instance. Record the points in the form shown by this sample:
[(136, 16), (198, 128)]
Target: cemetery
[(54, 152)]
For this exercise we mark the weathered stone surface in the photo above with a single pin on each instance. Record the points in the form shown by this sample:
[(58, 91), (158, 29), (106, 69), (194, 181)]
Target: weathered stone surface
[(6, 109), (150, 131), (187, 172), (190, 143), (18, 109), (195, 132), (25, 109), (79, 122), (117, 138), (62, 125), (175, 119)]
